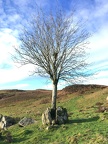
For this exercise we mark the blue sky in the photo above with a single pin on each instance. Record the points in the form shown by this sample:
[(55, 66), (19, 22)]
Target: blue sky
[(14, 13)]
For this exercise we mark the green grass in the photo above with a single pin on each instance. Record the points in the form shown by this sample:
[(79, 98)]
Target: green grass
[(85, 125)]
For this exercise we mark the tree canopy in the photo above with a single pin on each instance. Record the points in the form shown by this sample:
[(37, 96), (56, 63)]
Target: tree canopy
[(56, 45)]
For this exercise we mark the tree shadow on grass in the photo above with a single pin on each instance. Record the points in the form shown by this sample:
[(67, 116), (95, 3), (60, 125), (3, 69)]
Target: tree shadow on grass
[(84, 120), (14, 140)]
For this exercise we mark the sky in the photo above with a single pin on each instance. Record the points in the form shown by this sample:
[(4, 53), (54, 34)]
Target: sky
[(15, 13)]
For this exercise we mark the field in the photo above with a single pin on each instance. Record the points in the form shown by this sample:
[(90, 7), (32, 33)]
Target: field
[(86, 125)]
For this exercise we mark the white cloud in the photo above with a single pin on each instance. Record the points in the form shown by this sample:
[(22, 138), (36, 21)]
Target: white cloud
[(101, 8), (7, 41), (100, 78), (8, 70), (15, 18), (15, 74), (99, 45), (20, 86), (60, 85), (102, 81), (24, 86), (102, 74), (24, 3)]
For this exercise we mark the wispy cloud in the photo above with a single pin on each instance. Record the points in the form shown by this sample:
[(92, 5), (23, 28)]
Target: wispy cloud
[(99, 44), (95, 14), (20, 86), (24, 86)]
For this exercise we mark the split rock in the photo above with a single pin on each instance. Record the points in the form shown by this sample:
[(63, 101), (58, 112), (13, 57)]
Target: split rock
[(62, 116), (46, 117)]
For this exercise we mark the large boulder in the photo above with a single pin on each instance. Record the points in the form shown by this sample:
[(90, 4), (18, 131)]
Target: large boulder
[(6, 121), (61, 115), (26, 121), (49, 117)]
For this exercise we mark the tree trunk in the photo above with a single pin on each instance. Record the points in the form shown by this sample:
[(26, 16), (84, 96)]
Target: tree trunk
[(54, 96), (53, 104)]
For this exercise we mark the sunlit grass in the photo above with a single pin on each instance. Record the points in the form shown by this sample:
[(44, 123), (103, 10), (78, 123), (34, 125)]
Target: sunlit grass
[(85, 125)]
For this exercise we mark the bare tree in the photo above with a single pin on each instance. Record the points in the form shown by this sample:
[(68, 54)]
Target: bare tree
[(56, 45)]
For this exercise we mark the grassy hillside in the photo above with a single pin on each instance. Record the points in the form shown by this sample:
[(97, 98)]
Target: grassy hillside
[(86, 124)]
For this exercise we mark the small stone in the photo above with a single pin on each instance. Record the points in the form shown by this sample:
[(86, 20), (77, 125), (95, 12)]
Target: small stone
[(102, 118), (102, 109), (53, 122), (47, 128)]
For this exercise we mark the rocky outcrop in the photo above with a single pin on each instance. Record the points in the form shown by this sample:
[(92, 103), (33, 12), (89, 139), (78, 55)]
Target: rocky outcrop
[(26, 121), (49, 118)]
